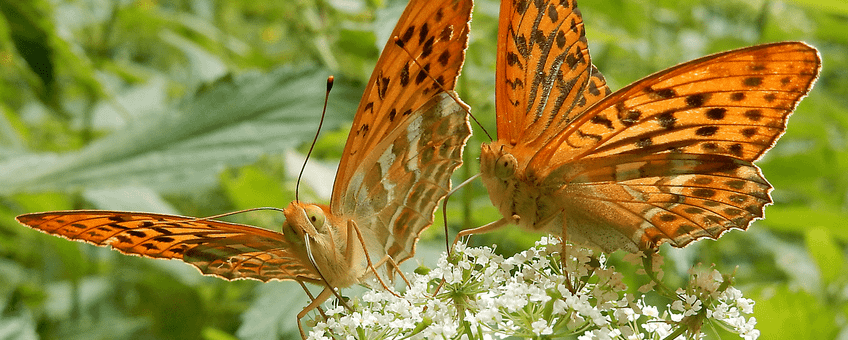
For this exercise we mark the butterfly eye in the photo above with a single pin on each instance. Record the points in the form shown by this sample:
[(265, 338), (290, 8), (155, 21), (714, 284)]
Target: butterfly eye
[(505, 166), (316, 217)]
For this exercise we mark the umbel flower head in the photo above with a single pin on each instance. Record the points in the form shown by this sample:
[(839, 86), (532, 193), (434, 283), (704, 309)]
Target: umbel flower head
[(477, 294)]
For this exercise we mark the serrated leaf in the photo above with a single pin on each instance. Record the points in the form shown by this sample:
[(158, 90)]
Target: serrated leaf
[(231, 124)]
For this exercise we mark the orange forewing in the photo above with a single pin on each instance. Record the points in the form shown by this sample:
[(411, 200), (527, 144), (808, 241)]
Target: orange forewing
[(736, 98), (435, 34), (408, 133), (227, 250), (544, 74)]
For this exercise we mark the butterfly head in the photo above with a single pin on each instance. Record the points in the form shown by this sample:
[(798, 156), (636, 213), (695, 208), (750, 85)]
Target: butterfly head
[(496, 161), (498, 167), (306, 220)]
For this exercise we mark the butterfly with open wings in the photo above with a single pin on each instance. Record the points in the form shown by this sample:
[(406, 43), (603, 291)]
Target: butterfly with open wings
[(406, 141), (668, 158)]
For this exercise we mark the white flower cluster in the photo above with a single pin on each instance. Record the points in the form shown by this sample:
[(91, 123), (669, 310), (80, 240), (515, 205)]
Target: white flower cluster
[(477, 294)]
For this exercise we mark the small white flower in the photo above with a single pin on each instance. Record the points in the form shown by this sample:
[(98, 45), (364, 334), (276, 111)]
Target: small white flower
[(560, 307), (746, 305), (540, 327), (599, 334), (651, 311), (661, 329), (505, 297), (748, 332), (731, 294)]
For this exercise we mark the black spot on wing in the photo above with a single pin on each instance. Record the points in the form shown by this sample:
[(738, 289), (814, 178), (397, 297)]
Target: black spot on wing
[(717, 113)]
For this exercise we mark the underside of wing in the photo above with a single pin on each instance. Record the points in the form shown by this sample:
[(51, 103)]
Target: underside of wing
[(544, 76), (653, 199), (734, 104), (435, 34), (226, 250), (400, 187), (670, 157)]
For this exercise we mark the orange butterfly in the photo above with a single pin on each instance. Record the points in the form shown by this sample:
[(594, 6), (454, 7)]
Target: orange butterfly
[(665, 159), (406, 141)]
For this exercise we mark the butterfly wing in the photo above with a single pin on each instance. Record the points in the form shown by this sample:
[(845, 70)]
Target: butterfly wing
[(400, 190), (544, 76), (226, 250), (408, 134), (436, 34), (669, 157)]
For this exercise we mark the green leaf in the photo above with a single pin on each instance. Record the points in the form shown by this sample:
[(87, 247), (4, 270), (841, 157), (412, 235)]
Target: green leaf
[(250, 187), (273, 312), (128, 198), (232, 123), (204, 65)]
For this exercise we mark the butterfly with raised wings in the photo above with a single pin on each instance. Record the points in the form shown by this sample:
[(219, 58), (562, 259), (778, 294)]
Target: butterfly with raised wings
[(406, 141), (668, 158)]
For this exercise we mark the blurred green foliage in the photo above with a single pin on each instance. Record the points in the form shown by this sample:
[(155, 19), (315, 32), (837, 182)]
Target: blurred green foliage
[(190, 107)]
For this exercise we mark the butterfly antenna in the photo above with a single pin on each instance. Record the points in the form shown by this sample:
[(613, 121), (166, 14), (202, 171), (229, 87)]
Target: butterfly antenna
[(231, 213), (314, 140), (450, 93)]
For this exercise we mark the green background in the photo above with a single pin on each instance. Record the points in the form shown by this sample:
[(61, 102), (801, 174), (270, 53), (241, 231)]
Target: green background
[(197, 107)]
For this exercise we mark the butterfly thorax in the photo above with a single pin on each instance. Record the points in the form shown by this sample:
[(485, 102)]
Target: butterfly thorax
[(546, 202), (339, 258)]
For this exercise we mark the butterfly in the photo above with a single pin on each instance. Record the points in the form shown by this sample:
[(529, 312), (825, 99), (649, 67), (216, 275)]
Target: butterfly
[(667, 159), (407, 139)]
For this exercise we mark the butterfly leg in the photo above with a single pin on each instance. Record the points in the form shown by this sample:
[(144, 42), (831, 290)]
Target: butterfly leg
[(353, 229), (311, 298), (397, 268), (484, 229), (479, 230), (390, 271), (316, 303), (563, 255)]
